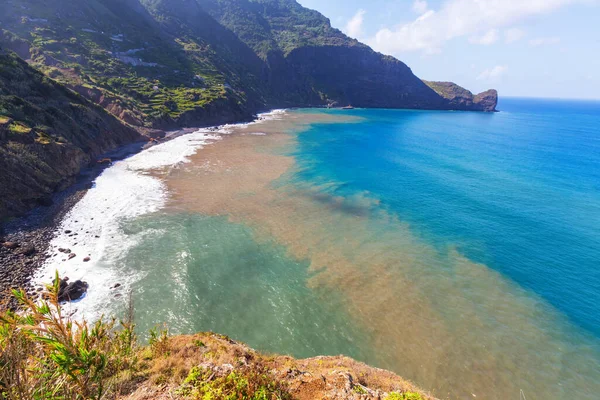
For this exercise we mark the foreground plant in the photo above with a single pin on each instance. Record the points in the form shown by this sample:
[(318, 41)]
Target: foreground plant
[(47, 355)]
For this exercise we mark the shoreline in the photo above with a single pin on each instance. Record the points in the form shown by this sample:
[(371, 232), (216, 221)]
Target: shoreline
[(232, 180), (33, 231), (25, 240)]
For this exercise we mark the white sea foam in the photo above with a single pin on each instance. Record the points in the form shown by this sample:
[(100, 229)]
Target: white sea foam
[(122, 192)]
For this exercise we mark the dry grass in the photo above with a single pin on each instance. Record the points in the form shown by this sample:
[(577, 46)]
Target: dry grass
[(314, 378), (19, 128)]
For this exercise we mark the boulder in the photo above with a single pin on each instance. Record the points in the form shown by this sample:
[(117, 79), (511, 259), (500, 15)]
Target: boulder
[(72, 291), (27, 250)]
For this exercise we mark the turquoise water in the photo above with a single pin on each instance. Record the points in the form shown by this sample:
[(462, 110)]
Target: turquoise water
[(217, 278), (518, 191), (458, 249)]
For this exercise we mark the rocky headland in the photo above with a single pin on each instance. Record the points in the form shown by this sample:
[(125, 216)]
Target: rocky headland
[(460, 98)]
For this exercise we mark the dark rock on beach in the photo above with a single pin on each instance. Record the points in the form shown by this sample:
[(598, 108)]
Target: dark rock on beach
[(26, 243), (71, 291)]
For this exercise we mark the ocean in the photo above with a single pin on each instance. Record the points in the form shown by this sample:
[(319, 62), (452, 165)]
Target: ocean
[(458, 249)]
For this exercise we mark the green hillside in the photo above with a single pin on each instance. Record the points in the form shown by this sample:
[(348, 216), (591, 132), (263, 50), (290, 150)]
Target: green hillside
[(47, 133), (169, 63)]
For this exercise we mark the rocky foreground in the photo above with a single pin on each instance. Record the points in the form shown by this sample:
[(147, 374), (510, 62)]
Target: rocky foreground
[(199, 365)]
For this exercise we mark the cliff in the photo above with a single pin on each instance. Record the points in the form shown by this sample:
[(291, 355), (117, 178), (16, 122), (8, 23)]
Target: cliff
[(169, 61), (47, 134), (206, 364), (101, 71)]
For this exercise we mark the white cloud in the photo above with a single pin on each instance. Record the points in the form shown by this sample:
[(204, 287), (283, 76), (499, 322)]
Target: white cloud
[(417, 35), (544, 41), (492, 74), (457, 18), (490, 37), (354, 27), (420, 7), (513, 35)]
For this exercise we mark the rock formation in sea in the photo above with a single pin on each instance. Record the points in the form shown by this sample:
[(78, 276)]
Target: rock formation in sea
[(461, 99)]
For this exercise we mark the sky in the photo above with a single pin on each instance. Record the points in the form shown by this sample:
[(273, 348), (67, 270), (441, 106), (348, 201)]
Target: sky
[(531, 48)]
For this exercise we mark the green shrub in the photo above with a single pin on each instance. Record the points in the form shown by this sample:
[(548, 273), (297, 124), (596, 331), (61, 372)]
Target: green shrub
[(249, 384), (404, 396), (159, 342), (47, 355), (359, 389)]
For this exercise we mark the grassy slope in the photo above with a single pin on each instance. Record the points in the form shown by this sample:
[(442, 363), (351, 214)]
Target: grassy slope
[(148, 60)]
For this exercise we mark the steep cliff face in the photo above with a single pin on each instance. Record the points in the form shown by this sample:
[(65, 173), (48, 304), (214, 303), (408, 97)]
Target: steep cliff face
[(459, 98), (360, 77), (47, 134), (486, 101), (308, 62)]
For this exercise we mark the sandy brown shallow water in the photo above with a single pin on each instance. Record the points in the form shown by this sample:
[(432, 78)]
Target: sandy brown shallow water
[(455, 327)]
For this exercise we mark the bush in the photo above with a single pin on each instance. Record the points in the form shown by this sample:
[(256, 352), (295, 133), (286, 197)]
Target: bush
[(46, 355), (404, 396), (204, 383)]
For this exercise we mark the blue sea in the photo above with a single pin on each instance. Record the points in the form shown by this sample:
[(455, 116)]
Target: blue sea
[(459, 249), (518, 191)]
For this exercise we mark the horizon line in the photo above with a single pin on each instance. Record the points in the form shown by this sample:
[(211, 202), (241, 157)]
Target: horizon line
[(550, 98)]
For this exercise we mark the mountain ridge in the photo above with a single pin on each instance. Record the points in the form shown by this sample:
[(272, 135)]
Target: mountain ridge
[(165, 59)]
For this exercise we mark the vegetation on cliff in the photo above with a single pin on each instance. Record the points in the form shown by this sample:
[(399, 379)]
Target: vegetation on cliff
[(460, 98), (166, 63), (47, 133), (44, 354)]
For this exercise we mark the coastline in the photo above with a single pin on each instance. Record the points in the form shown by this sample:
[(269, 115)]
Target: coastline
[(245, 180), (25, 240), (33, 231)]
